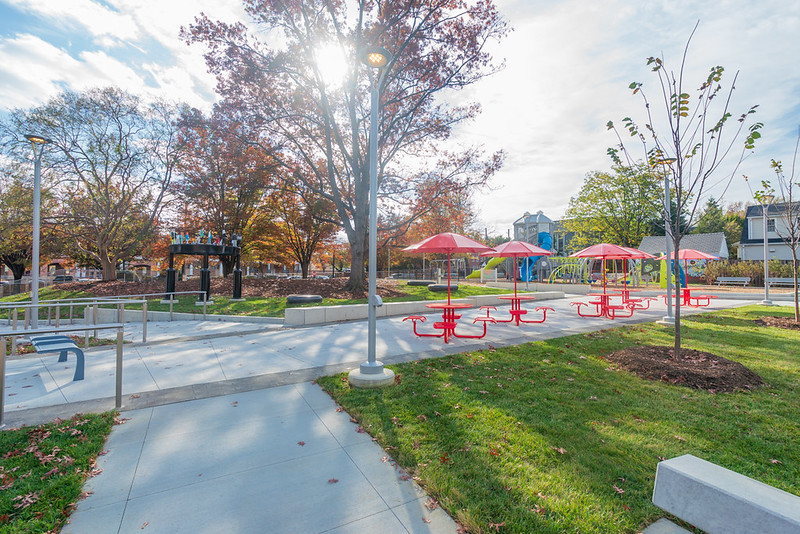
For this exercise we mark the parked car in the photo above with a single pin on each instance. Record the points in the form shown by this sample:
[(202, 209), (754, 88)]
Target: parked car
[(62, 278)]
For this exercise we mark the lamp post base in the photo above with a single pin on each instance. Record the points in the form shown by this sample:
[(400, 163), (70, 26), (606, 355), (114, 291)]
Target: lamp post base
[(766, 302), (667, 320), (376, 376)]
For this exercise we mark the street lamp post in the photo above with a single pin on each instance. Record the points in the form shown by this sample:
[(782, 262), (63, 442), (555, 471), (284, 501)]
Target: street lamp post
[(766, 200), (36, 141), (669, 318), (371, 373)]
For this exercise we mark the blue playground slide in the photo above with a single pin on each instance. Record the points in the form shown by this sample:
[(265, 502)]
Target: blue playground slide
[(526, 273)]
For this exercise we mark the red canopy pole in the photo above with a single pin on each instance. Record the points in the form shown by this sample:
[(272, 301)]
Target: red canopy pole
[(514, 260), (448, 278)]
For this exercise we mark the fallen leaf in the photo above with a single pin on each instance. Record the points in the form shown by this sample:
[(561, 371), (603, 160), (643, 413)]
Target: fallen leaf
[(426, 520), (444, 458), (301, 443), (135, 396), (537, 509), (339, 409), (431, 504), (417, 444), (235, 404), (145, 524), (774, 461), (618, 490), (560, 450), (360, 429), (497, 526), (679, 438), (422, 418), (333, 480)]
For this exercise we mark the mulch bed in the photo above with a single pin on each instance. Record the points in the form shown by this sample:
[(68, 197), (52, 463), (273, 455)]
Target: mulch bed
[(779, 322), (696, 369), (251, 287)]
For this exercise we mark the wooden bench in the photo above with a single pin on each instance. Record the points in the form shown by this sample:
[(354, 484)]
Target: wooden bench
[(781, 282), (744, 280), (717, 500), (62, 345)]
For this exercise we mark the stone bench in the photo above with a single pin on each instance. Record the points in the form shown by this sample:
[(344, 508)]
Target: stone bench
[(744, 280), (62, 345), (717, 500)]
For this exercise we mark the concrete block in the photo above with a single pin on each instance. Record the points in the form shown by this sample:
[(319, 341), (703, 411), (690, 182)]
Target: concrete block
[(665, 526), (720, 501), (294, 316)]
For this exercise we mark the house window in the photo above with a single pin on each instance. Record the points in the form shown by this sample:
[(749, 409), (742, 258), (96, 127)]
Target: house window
[(770, 225)]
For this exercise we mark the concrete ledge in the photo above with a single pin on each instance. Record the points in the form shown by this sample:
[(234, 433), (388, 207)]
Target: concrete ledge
[(333, 314), (665, 526), (717, 500), (106, 315)]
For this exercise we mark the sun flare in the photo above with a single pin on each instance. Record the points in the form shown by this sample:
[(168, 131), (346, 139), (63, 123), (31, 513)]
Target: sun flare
[(332, 64)]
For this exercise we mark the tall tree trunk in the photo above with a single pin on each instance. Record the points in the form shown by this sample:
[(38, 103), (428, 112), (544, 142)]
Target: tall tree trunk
[(228, 263), (109, 267), (676, 270), (794, 275)]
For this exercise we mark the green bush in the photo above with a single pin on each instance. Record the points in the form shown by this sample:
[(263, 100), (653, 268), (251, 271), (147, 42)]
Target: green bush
[(753, 269)]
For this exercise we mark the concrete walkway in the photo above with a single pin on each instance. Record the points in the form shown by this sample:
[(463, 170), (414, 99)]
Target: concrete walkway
[(226, 432)]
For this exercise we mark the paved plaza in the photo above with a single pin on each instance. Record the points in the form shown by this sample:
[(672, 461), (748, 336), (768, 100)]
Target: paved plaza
[(227, 433)]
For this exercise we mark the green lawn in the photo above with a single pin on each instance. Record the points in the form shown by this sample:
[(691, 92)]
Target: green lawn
[(43, 468), (257, 306), (549, 437)]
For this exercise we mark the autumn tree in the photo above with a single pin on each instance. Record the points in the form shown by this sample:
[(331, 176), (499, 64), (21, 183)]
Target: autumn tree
[(694, 141), (16, 217), (614, 207), (115, 156), (280, 84), (223, 176), (295, 222)]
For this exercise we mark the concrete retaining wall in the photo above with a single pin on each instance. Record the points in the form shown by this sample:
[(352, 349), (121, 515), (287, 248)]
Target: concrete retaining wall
[(106, 315)]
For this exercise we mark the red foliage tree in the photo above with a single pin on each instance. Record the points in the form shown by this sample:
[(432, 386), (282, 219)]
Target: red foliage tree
[(279, 87)]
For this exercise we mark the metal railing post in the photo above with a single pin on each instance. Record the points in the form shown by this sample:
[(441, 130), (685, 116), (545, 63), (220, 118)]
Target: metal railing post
[(27, 318), (94, 318), (144, 321), (205, 296), (118, 397), (58, 314), (171, 300), (2, 380)]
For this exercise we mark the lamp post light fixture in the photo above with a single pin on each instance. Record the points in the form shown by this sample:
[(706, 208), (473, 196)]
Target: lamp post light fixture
[(371, 373), (766, 200), (36, 141), (669, 318)]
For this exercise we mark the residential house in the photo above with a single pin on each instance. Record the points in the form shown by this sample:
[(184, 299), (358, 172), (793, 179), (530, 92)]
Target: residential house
[(751, 246), (713, 243)]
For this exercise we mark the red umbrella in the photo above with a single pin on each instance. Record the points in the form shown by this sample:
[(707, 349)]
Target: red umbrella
[(606, 251), (448, 243), (517, 249), (687, 254)]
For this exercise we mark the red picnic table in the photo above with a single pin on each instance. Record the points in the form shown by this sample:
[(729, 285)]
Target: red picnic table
[(639, 303), (449, 320), (517, 311), (604, 307), (699, 300)]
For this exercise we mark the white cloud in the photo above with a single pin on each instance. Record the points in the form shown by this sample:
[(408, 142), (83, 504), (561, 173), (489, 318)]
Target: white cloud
[(93, 16)]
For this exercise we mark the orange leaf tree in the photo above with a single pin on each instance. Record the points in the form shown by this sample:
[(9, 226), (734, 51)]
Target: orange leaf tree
[(277, 85)]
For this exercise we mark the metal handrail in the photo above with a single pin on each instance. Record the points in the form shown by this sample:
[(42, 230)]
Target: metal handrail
[(93, 303), (15, 334)]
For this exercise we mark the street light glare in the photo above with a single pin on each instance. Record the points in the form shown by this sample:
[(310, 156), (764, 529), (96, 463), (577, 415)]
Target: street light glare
[(377, 58), (332, 64), (38, 139)]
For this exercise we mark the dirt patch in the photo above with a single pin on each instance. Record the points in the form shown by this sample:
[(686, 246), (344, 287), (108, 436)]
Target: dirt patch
[(779, 322), (699, 370), (333, 288)]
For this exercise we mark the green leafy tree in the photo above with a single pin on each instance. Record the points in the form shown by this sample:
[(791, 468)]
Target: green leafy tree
[(115, 157), (733, 224), (694, 141), (279, 85), (617, 207), (711, 219)]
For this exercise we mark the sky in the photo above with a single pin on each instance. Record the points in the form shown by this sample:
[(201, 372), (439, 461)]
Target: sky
[(568, 65)]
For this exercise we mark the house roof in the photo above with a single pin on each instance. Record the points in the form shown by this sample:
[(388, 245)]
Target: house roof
[(778, 209), (713, 243)]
